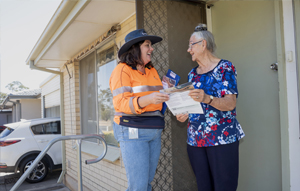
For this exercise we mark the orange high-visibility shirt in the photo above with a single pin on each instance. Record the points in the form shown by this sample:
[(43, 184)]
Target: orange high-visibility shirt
[(127, 84)]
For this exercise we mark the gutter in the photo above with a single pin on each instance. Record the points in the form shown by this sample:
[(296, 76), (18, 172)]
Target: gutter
[(24, 96), (62, 115)]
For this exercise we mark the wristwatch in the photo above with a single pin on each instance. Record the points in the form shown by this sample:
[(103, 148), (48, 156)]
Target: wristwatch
[(211, 99)]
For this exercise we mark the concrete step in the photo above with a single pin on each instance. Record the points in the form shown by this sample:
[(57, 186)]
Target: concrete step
[(58, 187)]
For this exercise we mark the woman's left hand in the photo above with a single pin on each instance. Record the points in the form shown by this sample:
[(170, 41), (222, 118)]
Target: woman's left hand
[(182, 117), (199, 95)]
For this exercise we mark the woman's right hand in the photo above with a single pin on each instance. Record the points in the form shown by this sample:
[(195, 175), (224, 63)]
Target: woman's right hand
[(154, 98), (182, 117)]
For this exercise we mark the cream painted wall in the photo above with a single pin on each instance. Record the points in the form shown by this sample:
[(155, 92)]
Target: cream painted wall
[(30, 108)]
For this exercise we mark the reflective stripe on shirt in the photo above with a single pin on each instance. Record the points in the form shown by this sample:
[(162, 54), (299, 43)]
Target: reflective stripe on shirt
[(121, 90), (139, 89), (131, 105), (136, 89)]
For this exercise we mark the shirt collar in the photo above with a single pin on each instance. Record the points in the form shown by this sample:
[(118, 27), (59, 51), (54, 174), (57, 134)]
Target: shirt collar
[(134, 67)]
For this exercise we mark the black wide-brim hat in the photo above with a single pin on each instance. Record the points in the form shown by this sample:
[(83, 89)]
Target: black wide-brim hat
[(135, 37)]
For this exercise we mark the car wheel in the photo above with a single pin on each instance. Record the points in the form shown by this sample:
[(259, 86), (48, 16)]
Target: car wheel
[(38, 174)]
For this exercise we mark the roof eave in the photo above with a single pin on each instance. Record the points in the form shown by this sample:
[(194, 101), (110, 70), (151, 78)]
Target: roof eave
[(10, 97), (63, 16), (4, 102), (24, 96)]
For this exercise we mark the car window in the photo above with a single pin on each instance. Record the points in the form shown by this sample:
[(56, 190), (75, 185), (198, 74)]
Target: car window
[(37, 129), (6, 132), (52, 127), (46, 128)]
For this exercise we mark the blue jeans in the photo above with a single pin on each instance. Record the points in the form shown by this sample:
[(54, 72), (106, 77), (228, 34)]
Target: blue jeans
[(140, 156)]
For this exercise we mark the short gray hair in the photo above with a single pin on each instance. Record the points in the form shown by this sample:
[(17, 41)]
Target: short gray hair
[(201, 32)]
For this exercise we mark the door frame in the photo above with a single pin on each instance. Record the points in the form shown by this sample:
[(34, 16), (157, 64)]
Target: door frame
[(292, 94), (283, 99)]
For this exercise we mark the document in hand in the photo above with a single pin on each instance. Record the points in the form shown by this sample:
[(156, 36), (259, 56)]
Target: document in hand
[(171, 79), (180, 101)]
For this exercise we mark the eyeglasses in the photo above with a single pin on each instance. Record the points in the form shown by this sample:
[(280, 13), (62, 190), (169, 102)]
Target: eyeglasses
[(190, 45)]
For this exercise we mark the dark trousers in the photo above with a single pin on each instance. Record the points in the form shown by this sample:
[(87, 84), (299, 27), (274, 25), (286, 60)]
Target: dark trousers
[(216, 168)]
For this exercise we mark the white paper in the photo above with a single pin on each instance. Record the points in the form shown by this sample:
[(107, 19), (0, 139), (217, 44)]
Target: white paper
[(180, 101)]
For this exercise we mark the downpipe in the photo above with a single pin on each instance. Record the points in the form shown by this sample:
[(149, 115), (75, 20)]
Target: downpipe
[(62, 116)]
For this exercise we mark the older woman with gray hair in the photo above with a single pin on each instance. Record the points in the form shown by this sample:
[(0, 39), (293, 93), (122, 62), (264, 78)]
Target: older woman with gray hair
[(212, 137)]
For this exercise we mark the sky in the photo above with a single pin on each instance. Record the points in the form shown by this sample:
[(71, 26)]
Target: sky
[(22, 22)]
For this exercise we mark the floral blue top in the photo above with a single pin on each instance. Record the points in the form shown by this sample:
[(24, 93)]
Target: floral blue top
[(214, 127)]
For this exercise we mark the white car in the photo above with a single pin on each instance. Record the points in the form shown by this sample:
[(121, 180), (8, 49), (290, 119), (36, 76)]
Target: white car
[(21, 142)]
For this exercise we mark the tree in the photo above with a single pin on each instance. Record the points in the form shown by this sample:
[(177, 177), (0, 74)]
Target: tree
[(16, 86), (105, 104), (2, 97)]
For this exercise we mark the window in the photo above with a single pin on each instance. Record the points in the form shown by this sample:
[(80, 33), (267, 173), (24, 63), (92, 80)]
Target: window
[(6, 132), (97, 111), (106, 62), (47, 128), (52, 111), (52, 128), (88, 95), (37, 129)]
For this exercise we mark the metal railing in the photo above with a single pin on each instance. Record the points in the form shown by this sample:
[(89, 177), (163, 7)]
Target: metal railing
[(62, 138)]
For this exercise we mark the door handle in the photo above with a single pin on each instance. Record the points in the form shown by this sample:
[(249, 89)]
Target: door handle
[(274, 66), (42, 141)]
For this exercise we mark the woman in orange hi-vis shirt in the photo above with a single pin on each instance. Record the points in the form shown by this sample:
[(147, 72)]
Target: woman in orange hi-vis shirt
[(138, 120)]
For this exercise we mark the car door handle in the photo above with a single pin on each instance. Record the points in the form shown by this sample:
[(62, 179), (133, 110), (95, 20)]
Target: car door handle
[(42, 141)]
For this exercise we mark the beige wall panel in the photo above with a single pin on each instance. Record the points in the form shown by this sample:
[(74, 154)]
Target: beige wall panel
[(51, 85), (30, 108), (52, 99)]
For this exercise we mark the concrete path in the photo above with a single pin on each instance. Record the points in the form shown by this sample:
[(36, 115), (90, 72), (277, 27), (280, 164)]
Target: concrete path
[(7, 181)]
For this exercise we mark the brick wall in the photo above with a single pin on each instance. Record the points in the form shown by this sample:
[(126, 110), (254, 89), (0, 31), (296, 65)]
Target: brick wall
[(104, 175)]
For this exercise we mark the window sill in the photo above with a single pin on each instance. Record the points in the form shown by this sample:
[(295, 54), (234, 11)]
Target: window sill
[(112, 154)]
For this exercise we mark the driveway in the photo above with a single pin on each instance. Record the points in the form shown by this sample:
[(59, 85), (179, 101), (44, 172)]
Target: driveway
[(7, 181)]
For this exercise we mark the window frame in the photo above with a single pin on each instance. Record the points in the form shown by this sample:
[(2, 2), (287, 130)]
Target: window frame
[(105, 45), (113, 153)]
